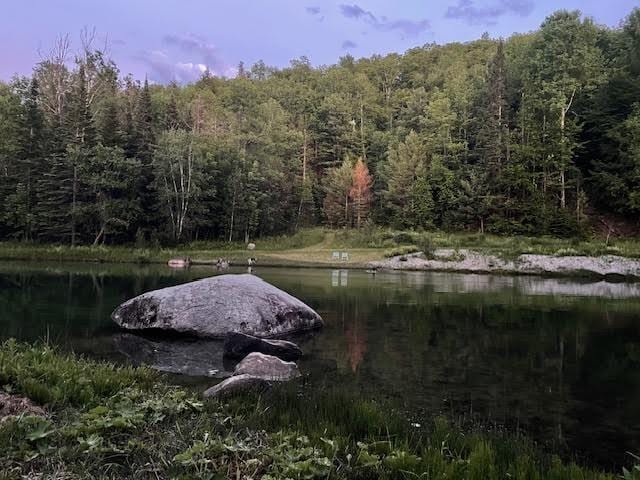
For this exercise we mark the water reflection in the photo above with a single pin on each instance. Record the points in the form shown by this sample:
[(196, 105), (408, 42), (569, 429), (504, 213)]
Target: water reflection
[(340, 278), (557, 358), (184, 356)]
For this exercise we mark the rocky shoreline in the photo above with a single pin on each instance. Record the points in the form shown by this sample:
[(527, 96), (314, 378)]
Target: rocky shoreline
[(469, 261)]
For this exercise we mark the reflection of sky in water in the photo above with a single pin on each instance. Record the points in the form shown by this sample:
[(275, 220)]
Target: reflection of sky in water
[(559, 358)]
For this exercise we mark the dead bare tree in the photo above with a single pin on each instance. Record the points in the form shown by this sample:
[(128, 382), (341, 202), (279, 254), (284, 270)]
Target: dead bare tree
[(54, 78)]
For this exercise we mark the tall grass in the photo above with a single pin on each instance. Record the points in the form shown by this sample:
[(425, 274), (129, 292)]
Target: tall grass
[(370, 440), (55, 379)]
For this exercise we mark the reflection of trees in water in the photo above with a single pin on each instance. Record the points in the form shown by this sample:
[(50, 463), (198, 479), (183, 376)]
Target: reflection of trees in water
[(606, 387), (62, 305), (504, 363), (356, 334)]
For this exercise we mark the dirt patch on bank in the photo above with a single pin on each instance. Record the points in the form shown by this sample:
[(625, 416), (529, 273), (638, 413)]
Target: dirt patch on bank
[(15, 405)]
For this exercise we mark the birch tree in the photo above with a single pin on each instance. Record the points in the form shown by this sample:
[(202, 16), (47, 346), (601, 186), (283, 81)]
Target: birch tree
[(566, 67), (177, 168)]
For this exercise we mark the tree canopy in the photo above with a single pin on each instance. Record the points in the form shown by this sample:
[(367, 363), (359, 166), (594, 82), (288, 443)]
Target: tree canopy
[(526, 135)]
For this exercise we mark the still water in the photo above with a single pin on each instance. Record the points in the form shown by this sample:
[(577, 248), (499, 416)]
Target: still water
[(557, 359)]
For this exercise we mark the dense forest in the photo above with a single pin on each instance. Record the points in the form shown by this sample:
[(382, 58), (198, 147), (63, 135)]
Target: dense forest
[(528, 135)]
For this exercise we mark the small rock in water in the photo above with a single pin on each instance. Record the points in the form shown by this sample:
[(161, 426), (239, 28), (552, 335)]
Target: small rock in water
[(236, 385), (239, 345), (267, 367)]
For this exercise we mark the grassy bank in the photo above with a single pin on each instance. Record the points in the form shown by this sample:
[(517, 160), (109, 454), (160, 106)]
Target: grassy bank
[(105, 422), (315, 247)]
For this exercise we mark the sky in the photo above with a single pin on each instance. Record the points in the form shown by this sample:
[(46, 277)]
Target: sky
[(166, 40)]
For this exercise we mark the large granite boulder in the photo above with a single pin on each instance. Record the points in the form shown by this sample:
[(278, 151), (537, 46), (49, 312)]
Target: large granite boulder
[(216, 306), (267, 367), (239, 345)]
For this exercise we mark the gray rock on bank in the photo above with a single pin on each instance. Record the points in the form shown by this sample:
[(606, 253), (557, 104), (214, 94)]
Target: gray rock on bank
[(469, 261), (267, 367), (216, 306), (238, 345), (254, 373), (236, 385)]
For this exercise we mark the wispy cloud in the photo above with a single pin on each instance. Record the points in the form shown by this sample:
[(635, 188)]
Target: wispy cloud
[(357, 12), (348, 45), (488, 14), (313, 10), (406, 27)]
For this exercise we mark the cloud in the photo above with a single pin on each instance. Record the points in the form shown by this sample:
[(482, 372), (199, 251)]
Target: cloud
[(348, 44), (313, 10), (198, 47), (488, 14), (162, 69), (184, 59), (406, 27), (410, 28), (357, 12)]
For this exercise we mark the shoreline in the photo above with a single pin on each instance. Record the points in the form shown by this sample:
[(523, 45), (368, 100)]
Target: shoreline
[(610, 268)]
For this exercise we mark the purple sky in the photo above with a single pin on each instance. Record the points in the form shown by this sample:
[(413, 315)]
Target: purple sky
[(176, 39)]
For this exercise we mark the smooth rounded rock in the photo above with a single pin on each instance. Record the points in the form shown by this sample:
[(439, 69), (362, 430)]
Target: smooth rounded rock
[(216, 306), (239, 345), (236, 385), (267, 367)]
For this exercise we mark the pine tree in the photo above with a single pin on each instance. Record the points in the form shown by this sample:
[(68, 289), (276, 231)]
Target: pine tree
[(493, 140), (110, 133), (337, 187), (406, 163), (30, 161), (144, 148)]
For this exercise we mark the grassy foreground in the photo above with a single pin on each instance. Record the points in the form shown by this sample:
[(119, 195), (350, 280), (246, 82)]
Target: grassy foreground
[(109, 422), (315, 247)]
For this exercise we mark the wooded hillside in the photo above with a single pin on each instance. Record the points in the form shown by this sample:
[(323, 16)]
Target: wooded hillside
[(522, 136)]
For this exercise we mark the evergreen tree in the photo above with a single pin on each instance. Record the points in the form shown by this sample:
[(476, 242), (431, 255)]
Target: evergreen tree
[(143, 146), (337, 187), (404, 196)]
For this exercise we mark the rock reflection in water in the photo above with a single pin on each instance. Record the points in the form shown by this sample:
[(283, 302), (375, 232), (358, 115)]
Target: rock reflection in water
[(184, 356)]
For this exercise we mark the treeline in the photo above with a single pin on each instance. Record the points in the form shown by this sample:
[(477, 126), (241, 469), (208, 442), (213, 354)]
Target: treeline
[(527, 135)]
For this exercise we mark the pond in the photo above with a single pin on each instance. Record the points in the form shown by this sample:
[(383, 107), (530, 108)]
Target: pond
[(558, 359)]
